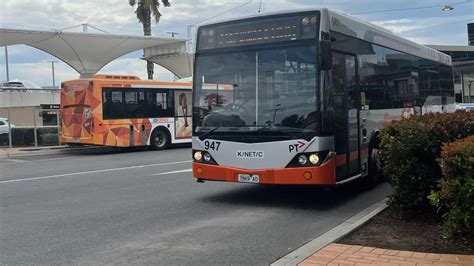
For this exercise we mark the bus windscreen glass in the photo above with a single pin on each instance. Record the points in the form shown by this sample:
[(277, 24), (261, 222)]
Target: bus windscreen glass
[(249, 32)]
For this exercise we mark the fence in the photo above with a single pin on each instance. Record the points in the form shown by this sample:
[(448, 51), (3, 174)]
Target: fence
[(24, 136)]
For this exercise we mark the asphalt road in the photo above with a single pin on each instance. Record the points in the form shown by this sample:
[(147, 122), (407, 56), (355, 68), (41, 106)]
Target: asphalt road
[(110, 206)]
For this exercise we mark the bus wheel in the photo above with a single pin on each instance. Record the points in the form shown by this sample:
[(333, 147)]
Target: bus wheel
[(375, 168), (159, 140)]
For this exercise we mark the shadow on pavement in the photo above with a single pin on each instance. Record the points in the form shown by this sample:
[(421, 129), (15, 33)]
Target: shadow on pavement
[(298, 197)]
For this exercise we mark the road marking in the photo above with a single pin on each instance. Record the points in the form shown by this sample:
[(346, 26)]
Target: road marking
[(92, 172), (175, 172)]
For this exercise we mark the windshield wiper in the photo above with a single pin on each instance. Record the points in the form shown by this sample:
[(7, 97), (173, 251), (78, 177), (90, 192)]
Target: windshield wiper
[(206, 134)]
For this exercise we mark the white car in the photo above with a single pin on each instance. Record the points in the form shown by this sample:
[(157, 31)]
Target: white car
[(4, 125)]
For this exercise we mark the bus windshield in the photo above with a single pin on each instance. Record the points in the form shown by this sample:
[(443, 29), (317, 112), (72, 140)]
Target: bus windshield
[(271, 89)]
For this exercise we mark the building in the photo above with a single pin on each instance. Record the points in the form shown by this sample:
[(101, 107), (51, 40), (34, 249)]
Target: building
[(463, 67), (463, 64), (29, 107)]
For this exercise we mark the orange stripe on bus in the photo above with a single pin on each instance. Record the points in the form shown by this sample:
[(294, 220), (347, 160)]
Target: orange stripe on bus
[(324, 174)]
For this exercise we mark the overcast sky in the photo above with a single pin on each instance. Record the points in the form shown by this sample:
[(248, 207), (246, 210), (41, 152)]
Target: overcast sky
[(423, 25)]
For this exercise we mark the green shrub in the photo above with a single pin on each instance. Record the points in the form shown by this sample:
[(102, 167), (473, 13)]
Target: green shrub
[(454, 196), (49, 139), (410, 149), (25, 136), (47, 136), (47, 130)]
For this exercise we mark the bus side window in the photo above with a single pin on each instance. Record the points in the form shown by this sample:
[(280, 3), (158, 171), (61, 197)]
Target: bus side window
[(118, 107), (107, 104), (141, 107), (158, 104), (130, 103)]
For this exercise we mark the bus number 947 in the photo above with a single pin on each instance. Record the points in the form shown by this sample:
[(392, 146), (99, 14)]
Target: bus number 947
[(212, 145)]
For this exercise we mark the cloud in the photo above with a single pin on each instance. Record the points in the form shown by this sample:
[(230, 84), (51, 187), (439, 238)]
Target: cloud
[(41, 72), (116, 16), (397, 25)]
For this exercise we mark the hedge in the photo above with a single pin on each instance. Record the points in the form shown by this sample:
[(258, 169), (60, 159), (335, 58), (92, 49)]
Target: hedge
[(410, 149), (25, 136), (454, 195)]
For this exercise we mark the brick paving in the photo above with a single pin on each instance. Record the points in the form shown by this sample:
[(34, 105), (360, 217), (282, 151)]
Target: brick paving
[(339, 254)]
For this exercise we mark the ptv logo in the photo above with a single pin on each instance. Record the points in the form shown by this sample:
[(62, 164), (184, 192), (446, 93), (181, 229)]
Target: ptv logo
[(296, 147)]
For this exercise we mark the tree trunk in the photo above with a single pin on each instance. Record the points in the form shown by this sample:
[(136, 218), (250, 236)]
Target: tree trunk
[(147, 32)]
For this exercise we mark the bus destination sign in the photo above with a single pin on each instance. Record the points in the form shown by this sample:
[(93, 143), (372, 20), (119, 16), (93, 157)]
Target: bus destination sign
[(258, 32)]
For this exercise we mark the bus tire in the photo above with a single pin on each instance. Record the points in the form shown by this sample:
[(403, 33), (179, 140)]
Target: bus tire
[(160, 139), (375, 169)]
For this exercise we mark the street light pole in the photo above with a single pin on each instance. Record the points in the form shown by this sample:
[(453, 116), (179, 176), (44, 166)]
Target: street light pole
[(52, 70), (6, 63)]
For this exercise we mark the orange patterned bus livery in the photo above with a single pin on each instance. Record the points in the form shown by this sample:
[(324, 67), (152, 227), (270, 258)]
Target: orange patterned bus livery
[(122, 111)]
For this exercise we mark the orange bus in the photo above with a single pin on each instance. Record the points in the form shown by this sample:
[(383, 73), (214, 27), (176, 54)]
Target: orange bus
[(125, 111)]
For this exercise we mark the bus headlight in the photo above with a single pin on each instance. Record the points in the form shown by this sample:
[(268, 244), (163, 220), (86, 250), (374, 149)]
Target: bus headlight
[(302, 159), (207, 157), (309, 159), (198, 156), (305, 21), (314, 158)]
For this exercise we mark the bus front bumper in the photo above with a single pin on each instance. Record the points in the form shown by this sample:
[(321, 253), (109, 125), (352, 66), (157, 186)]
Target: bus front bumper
[(324, 174)]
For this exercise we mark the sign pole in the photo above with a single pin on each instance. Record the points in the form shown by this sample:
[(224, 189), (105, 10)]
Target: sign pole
[(9, 130)]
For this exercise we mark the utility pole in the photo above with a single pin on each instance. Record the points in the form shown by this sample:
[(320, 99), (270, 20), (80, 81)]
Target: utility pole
[(6, 63), (52, 71)]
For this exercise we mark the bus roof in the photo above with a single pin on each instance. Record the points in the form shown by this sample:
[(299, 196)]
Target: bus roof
[(346, 24)]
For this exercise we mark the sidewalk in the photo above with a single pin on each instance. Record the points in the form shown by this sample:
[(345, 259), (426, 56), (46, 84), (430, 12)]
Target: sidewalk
[(339, 254)]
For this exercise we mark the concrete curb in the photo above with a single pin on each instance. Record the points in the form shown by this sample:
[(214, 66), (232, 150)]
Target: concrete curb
[(332, 235)]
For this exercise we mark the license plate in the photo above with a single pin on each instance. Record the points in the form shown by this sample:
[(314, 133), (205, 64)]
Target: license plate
[(246, 178)]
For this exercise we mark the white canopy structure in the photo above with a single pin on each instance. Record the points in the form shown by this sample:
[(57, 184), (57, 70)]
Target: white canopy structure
[(181, 64), (87, 53)]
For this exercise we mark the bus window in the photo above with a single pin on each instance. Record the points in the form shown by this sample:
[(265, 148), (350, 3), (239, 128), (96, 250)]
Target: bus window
[(108, 104), (118, 108), (159, 104)]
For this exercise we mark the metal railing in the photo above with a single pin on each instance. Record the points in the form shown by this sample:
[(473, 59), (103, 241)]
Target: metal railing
[(21, 136)]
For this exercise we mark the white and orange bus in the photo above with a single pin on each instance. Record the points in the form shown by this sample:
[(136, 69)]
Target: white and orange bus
[(125, 111), (309, 93)]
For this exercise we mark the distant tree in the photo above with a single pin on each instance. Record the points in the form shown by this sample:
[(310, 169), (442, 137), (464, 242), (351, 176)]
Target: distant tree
[(145, 9)]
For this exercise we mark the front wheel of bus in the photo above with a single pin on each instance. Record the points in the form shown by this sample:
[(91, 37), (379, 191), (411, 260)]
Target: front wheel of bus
[(159, 140), (375, 168)]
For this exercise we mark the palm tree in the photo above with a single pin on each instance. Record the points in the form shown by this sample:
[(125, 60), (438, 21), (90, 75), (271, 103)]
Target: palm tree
[(146, 9)]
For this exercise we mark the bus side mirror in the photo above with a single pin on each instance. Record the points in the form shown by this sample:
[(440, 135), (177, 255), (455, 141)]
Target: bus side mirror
[(325, 52)]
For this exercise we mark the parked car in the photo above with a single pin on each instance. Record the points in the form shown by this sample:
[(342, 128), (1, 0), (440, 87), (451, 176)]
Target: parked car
[(4, 125), (465, 106), (24, 84), (4, 131)]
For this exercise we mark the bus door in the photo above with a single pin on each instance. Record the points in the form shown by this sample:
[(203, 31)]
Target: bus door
[(346, 124), (143, 134)]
